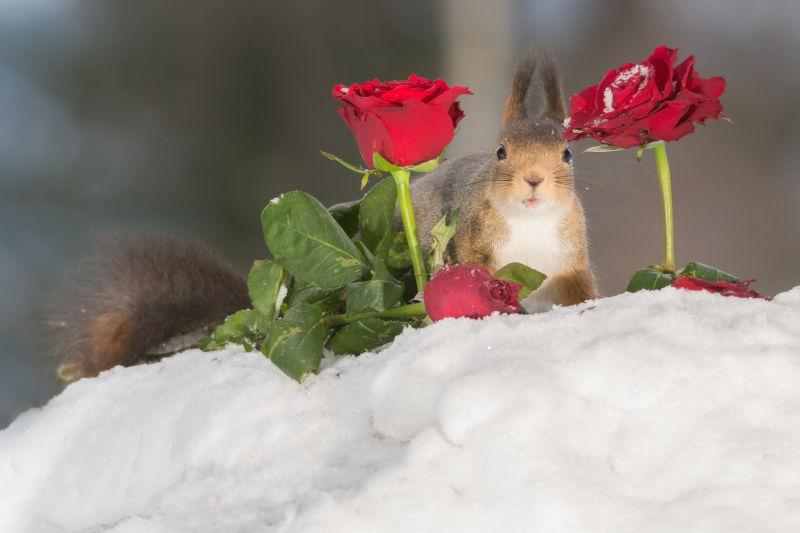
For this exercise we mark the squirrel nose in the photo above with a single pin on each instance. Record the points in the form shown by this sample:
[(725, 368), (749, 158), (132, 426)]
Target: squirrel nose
[(533, 181)]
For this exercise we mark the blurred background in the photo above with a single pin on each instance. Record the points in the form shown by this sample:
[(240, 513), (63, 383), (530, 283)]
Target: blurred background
[(188, 116)]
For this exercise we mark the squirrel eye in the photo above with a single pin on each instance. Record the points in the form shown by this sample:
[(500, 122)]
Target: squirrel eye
[(501, 152), (567, 157)]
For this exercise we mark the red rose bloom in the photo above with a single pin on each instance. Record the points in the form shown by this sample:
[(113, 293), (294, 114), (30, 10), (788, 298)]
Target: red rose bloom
[(469, 291), (640, 103), (725, 288), (407, 122)]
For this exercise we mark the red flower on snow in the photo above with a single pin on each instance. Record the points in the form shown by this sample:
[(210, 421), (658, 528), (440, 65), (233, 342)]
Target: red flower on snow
[(469, 291), (725, 288)]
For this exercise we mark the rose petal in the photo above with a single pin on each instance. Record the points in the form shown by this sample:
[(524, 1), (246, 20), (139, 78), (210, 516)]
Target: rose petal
[(640, 103), (370, 133), (469, 291), (663, 59), (419, 132)]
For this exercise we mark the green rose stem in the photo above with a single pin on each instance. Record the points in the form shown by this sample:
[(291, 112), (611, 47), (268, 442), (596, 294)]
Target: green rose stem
[(406, 311), (402, 178), (662, 165)]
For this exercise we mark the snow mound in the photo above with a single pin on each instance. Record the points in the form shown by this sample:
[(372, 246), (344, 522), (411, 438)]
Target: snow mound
[(657, 412)]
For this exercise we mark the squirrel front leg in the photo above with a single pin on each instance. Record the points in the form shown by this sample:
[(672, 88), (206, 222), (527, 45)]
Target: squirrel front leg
[(574, 287)]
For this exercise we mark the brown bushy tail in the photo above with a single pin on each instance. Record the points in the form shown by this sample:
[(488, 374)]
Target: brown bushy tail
[(135, 297)]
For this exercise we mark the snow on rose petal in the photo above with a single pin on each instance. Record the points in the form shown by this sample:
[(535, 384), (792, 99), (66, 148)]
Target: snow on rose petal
[(636, 104), (468, 290)]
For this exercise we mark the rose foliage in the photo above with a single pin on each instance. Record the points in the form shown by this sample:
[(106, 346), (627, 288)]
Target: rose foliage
[(341, 279), (694, 277)]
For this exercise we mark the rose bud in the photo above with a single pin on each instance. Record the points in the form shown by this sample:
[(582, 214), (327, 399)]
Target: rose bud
[(725, 288), (407, 122), (645, 102), (469, 291)]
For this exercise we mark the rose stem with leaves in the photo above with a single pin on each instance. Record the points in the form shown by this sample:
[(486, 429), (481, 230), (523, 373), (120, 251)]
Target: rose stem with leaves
[(407, 311), (662, 166), (402, 179)]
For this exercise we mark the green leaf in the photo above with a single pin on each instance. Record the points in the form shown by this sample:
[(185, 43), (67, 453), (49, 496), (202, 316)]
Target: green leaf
[(426, 166), (708, 273), (442, 233), (364, 181), (245, 327), (651, 278), (346, 215), (349, 166), (300, 292), (394, 251), (264, 285), (306, 240), (365, 251), (601, 148), (529, 278), (376, 215), (381, 164), (295, 342), (364, 335), (378, 294)]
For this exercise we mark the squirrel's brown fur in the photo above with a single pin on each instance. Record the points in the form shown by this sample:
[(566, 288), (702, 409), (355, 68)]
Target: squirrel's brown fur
[(135, 293), (521, 206)]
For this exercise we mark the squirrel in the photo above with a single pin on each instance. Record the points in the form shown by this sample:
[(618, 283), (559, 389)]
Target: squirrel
[(143, 297), (517, 204)]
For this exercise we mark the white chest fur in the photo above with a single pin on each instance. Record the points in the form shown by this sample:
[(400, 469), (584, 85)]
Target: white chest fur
[(534, 238)]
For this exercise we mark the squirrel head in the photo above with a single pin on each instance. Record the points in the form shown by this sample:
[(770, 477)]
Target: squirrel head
[(532, 163)]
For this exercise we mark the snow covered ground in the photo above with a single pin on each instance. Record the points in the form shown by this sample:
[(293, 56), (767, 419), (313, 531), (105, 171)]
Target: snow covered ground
[(647, 412)]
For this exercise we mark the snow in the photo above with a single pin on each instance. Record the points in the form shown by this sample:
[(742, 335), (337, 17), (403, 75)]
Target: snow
[(657, 412), (608, 100), (643, 71), (282, 292)]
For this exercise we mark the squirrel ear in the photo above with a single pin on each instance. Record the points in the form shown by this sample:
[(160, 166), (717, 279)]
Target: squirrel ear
[(516, 104), (554, 104)]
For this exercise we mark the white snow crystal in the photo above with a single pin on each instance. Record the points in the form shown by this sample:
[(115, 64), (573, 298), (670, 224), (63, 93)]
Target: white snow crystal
[(644, 71), (608, 100), (282, 291), (276, 199), (650, 412)]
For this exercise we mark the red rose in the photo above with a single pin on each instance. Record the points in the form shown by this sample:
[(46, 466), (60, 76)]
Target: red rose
[(640, 103), (407, 122), (469, 291), (725, 288)]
